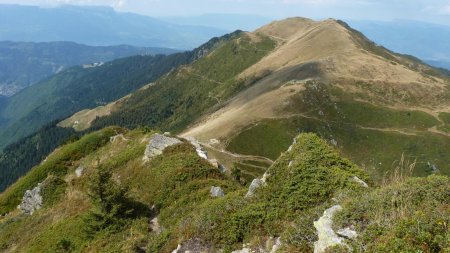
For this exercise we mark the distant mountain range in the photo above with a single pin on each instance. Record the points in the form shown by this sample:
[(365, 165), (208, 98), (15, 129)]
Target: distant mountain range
[(429, 42), (230, 22), (25, 63), (97, 26)]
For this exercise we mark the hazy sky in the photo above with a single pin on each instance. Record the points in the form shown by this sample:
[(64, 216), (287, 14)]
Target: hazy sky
[(436, 11)]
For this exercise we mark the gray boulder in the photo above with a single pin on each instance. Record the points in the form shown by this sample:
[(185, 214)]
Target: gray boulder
[(256, 183), (216, 192), (157, 144), (31, 201)]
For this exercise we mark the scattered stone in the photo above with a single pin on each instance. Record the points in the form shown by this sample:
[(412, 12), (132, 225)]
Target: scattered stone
[(359, 181), (433, 168), (166, 133), (154, 225), (79, 171), (256, 183), (347, 233), (157, 144), (334, 142), (290, 163), (31, 201), (327, 237), (222, 168), (216, 192)]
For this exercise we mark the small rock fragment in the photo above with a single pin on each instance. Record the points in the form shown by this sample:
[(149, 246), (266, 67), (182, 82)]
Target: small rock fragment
[(359, 181), (216, 192), (256, 183), (79, 171)]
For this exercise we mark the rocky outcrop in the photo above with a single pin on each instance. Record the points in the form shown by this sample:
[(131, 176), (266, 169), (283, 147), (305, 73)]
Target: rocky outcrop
[(324, 226), (216, 192), (327, 236), (157, 144), (31, 201)]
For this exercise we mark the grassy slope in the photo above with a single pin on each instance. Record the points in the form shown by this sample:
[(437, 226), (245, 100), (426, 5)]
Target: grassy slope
[(357, 128), (176, 184), (182, 96), (58, 163), (410, 215)]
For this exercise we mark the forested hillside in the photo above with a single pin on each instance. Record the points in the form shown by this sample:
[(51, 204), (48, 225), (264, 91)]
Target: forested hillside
[(70, 91), (78, 88), (25, 63), (16, 159)]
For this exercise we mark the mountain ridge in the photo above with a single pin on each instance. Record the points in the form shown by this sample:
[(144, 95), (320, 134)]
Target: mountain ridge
[(101, 26)]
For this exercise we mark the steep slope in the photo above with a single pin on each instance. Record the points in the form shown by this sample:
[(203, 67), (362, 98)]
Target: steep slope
[(97, 195), (184, 94), (100, 26), (25, 63)]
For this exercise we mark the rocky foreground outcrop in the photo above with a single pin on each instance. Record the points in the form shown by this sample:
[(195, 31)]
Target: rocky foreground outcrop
[(31, 201), (327, 236), (157, 144)]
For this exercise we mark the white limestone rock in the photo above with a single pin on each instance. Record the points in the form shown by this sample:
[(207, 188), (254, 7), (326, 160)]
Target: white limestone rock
[(157, 144)]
